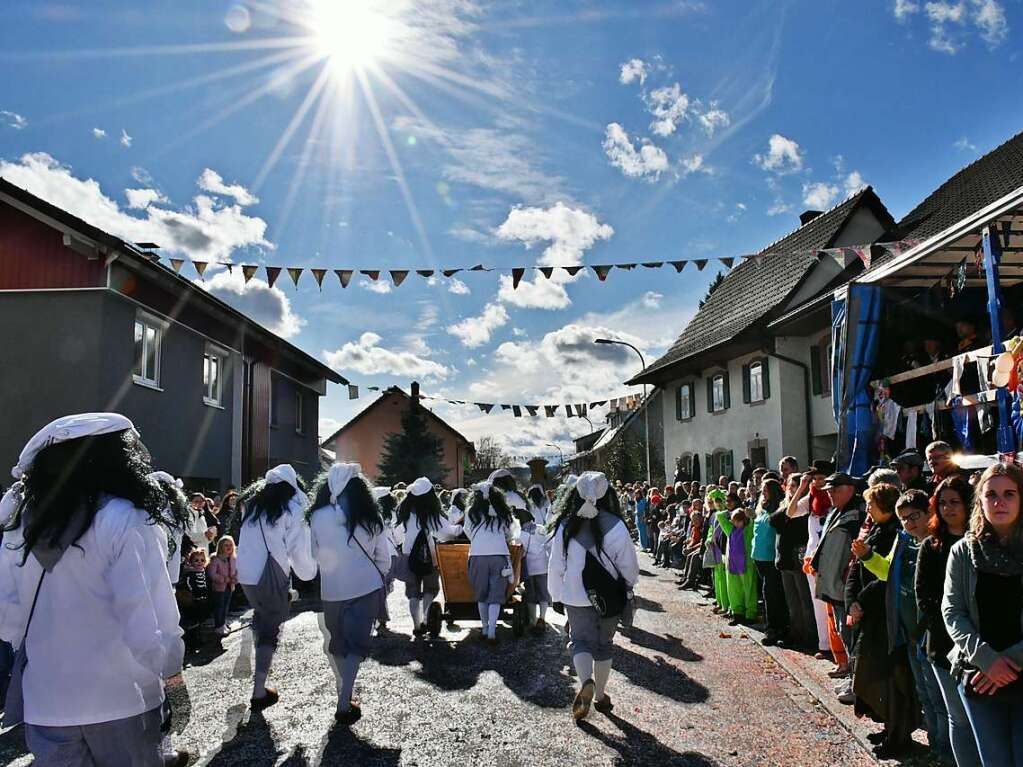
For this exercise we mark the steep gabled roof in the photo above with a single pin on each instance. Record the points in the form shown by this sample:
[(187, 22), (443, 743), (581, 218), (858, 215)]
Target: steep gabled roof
[(976, 186), (757, 286), (373, 405)]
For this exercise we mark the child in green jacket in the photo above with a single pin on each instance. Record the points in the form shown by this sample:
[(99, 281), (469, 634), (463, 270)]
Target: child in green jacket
[(716, 549), (740, 574)]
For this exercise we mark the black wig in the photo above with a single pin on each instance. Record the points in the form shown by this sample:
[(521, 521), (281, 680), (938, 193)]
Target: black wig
[(178, 511), (479, 509), (268, 500), (537, 496), (361, 509), (388, 505), (67, 480), (574, 523), (426, 508), (460, 498), (506, 484)]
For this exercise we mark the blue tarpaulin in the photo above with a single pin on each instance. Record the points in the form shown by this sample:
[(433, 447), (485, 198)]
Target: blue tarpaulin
[(837, 371), (862, 334)]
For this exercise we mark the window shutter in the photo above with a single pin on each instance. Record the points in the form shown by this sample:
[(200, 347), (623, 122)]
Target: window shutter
[(825, 356), (815, 369), (731, 464), (710, 394), (728, 393), (746, 395), (712, 469), (678, 404), (766, 378)]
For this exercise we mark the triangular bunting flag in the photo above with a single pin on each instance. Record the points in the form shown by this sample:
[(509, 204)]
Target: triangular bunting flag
[(727, 262), (176, 264), (479, 268), (580, 410), (200, 266), (700, 263), (373, 274), (864, 255), (295, 272), (230, 268), (679, 265), (450, 272), (550, 410), (373, 388), (517, 273), (249, 271), (344, 276), (353, 391), (568, 410), (506, 407), (398, 276), (272, 273), (598, 404), (318, 275), (532, 409), (573, 270), (484, 406), (653, 264), (602, 271), (546, 271), (517, 411), (627, 267), (425, 272), (838, 255)]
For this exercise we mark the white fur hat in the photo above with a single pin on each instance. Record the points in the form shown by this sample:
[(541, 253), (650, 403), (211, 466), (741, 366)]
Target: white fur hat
[(498, 474), (283, 473), (338, 477), (67, 428), (421, 486), (380, 491), (162, 476), (592, 486)]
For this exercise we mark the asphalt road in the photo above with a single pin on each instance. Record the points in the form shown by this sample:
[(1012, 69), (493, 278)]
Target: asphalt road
[(684, 695)]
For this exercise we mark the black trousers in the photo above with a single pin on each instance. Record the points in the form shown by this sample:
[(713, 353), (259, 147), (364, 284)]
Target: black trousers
[(802, 622), (774, 599)]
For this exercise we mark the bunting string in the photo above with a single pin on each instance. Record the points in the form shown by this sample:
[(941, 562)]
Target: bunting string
[(842, 256)]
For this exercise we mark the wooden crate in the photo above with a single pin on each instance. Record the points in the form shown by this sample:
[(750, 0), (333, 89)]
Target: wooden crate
[(453, 562)]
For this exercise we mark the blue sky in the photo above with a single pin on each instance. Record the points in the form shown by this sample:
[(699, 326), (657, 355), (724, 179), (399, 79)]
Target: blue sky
[(453, 132)]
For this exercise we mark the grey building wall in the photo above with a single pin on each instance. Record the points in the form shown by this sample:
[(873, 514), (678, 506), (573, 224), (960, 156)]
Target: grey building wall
[(287, 444)]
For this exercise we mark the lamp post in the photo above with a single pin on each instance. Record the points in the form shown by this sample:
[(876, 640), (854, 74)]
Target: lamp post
[(646, 410), (560, 451)]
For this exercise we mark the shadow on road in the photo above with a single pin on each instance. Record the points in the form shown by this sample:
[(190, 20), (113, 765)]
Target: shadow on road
[(639, 747), (343, 747), (12, 744), (647, 604), (668, 644), (658, 676), (253, 744)]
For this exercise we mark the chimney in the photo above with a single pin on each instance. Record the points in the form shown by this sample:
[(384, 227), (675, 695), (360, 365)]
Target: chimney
[(807, 216), (415, 392)]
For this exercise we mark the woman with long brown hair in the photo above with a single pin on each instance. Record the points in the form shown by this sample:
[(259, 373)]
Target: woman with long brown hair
[(983, 611)]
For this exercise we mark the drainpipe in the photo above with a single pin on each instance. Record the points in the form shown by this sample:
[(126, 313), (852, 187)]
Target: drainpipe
[(806, 398)]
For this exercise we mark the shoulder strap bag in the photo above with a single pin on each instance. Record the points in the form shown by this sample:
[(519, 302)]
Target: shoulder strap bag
[(14, 705)]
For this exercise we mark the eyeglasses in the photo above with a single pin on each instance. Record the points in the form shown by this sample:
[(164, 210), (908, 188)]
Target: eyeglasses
[(911, 518)]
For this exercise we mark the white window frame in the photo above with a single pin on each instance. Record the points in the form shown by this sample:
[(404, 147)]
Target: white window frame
[(718, 392), (299, 412), (213, 353), (756, 383), (148, 322), (687, 401)]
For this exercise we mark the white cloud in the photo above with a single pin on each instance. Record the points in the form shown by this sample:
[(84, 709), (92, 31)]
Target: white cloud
[(143, 198), (268, 306), (476, 331), (458, 287), (539, 293), (570, 232), (367, 357), (211, 181), (327, 428), (904, 8), (669, 106), (694, 163), (648, 162), (819, 195), (714, 118), (951, 23), (853, 183), (783, 156), (963, 144), (651, 300), (13, 119), (381, 285), (735, 215), (989, 16), (633, 69), (141, 175), (99, 134), (778, 207), (204, 230), (125, 138)]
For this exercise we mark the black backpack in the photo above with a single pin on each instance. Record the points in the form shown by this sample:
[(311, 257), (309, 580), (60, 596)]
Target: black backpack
[(419, 560), (607, 593)]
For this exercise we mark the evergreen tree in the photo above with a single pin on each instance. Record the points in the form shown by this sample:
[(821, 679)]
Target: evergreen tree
[(413, 452)]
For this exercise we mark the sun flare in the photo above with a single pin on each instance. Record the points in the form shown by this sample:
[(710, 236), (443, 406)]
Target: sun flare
[(350, 34)]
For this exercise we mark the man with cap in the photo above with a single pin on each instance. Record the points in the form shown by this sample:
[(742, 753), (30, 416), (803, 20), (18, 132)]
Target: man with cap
[(909, 465), (831, 560)]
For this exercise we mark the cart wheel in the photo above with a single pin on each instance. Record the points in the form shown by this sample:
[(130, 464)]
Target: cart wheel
[(433, 620), (519, 619)]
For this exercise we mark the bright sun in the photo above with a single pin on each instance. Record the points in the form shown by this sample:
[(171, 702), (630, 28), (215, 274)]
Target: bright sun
[(350, 34)]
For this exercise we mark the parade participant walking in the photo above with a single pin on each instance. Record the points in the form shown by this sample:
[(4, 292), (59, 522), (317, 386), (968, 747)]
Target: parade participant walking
[(536, 554), (488, 524), (183, 521), (388, 512), (274, 540), (349, 543), (504, 481), (539, 506), (425, 523), (84, 593), (592, 571)]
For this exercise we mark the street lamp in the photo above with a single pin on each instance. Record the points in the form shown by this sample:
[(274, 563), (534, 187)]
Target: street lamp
[(646, 409), (560, 451)]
